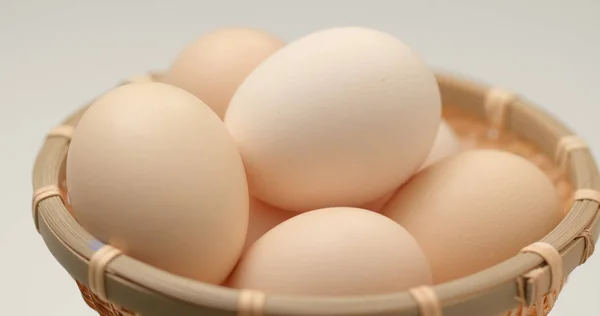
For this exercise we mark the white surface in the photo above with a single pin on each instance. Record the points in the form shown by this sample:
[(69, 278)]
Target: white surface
[(56, 55)]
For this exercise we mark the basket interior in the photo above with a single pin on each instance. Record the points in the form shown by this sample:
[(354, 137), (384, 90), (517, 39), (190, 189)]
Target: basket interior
[(475, 132)]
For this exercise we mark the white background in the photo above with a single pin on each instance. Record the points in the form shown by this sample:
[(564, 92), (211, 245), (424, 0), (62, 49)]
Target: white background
[(57, 54)]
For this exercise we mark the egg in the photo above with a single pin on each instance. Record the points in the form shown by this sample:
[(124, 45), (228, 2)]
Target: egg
[(263, 217), (214, 65), (325, 120), (377, 205), (333, 251), (152, 171), (475, 209), (445, 145)]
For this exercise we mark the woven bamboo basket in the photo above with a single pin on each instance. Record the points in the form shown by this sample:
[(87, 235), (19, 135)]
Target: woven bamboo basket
[(483, 117)]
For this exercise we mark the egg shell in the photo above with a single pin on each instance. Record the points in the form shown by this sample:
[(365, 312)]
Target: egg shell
[(378, 204), (474, 210), (152, 171), (263, 217), (333, 251), (445, 145), (213, 66), (325, 120)]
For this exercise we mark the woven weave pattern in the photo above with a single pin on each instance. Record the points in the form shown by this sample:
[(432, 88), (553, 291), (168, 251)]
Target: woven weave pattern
[(102, 307), (531, 311), (474, 133)]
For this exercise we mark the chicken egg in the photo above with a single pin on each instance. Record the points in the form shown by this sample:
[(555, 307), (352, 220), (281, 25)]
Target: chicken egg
[(152, 171), (213, 66), (475, 209), (333, 251), (325, 120), (263, 217), (445, 145), (377, 205)]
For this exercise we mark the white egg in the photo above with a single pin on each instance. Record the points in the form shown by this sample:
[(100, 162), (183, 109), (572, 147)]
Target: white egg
[(325, 120), (446, 144)]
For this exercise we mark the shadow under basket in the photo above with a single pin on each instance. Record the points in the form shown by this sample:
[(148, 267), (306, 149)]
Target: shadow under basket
[(483, 117)]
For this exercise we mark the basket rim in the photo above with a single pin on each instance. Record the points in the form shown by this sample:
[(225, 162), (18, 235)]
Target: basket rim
[(493, 289)]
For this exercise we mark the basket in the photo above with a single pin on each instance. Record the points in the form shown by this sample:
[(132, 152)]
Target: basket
[(526, 284)]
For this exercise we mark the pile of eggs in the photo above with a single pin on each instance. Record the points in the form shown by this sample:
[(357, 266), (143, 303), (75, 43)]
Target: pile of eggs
[(322, 166)]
